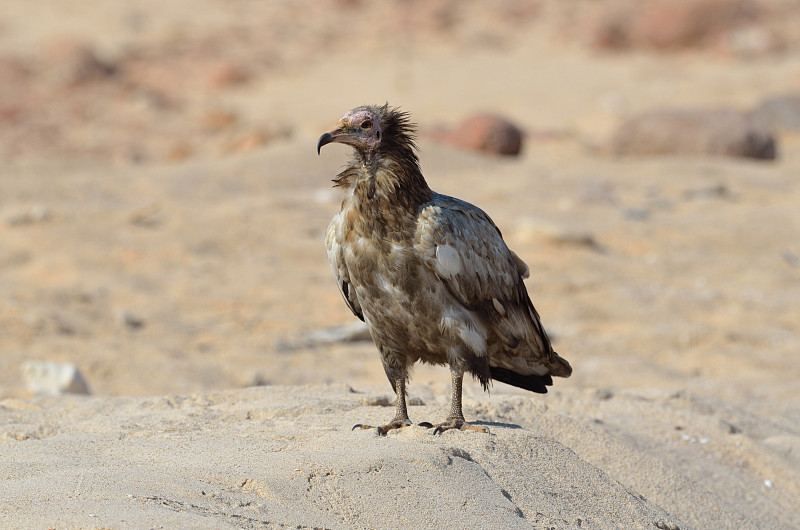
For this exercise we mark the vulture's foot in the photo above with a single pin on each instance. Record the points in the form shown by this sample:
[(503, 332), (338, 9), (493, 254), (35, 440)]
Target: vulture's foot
[(458, 423), (383, 429)]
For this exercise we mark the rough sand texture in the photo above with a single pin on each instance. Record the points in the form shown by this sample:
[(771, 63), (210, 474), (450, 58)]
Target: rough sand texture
[(285, 456)]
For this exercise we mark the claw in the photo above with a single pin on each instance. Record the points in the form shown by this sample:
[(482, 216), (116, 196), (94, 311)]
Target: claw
[(425, 424), (461, 425), (383, 429)]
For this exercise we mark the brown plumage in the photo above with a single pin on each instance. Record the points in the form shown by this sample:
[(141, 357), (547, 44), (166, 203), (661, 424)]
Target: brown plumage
[(429, 274)]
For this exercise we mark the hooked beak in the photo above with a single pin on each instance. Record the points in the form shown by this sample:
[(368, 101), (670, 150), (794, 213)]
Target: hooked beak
[(324, 140), (340, 134)]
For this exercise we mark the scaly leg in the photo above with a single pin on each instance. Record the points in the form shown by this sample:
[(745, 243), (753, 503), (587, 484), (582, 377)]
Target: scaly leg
[(400, 419), (456, 418)]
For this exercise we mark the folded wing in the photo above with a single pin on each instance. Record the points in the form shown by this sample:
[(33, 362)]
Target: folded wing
[(464, 248), (336, 260)]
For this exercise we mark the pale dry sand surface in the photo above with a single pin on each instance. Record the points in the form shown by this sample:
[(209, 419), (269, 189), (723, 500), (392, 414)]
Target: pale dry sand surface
[(285, 457), (162, 210)]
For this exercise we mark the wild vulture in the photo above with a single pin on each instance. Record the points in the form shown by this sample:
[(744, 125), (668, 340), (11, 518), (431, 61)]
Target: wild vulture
[(429, 274)]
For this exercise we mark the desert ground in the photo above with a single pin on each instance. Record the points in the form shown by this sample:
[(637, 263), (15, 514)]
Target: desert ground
[(162, 214)]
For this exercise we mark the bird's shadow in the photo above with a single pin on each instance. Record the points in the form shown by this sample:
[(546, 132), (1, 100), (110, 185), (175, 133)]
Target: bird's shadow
[(496, 424)]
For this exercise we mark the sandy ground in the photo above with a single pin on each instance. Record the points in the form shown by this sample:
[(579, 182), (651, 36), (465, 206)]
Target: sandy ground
[(672, 285)]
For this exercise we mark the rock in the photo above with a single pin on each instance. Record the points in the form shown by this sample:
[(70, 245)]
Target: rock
[(780, 112), (354, 332), (53, 379), (534, 228), (791, 258), (72, 62), (694, 132), (216, 120), (488, 133), (225, 74), (750, 41), (148, 216), (667, 24), (14, 69), (719, 191), (35, 214), (246, 142), (178, 152), (131, 320), (258, 379)]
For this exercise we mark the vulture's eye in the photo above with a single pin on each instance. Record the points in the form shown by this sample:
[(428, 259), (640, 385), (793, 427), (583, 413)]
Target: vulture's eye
[(366, 124)]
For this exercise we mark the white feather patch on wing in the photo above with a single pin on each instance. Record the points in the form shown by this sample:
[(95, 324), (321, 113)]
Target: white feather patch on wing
[(471, 332), (474, 338), (499, 307), (522, 267), (448, 262)]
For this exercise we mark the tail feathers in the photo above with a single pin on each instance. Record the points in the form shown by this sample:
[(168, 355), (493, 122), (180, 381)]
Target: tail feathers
[(534, 383), (560, 367)]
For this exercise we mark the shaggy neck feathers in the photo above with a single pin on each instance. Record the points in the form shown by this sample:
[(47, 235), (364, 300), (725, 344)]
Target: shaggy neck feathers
[(389, 175)]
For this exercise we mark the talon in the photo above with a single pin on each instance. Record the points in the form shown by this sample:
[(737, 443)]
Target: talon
[(383, 430), (459, 424), (425, 424), (476, 428), (360, 426)]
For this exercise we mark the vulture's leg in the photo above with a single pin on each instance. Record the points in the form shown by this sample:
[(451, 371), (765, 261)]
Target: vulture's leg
[(400, 419), (456, 418)]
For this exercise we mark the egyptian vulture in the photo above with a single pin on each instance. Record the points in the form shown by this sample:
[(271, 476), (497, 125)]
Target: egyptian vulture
[(429, 274)]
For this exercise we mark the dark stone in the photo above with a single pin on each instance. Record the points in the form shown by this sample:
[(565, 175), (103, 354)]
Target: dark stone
[(719, 132), (780, 112), (488, 133)]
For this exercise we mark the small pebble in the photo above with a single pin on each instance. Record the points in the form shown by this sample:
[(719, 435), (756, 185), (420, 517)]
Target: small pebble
[(636, 214), (34, 214), (132, 320), (53, 379)]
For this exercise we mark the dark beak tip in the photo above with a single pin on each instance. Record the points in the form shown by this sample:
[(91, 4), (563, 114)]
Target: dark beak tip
[(324, 139)]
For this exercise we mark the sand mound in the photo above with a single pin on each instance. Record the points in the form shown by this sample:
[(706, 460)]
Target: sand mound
[(285, 456)]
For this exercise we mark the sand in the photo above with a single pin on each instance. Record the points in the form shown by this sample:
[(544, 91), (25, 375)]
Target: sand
[(182, 269), (285, 456)]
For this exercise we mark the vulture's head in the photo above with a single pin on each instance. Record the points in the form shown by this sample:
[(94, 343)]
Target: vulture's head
[(370, 128), (360, 128), (382, 137)]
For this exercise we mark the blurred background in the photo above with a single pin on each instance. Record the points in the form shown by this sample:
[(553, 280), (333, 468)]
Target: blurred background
[(162, 206)]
